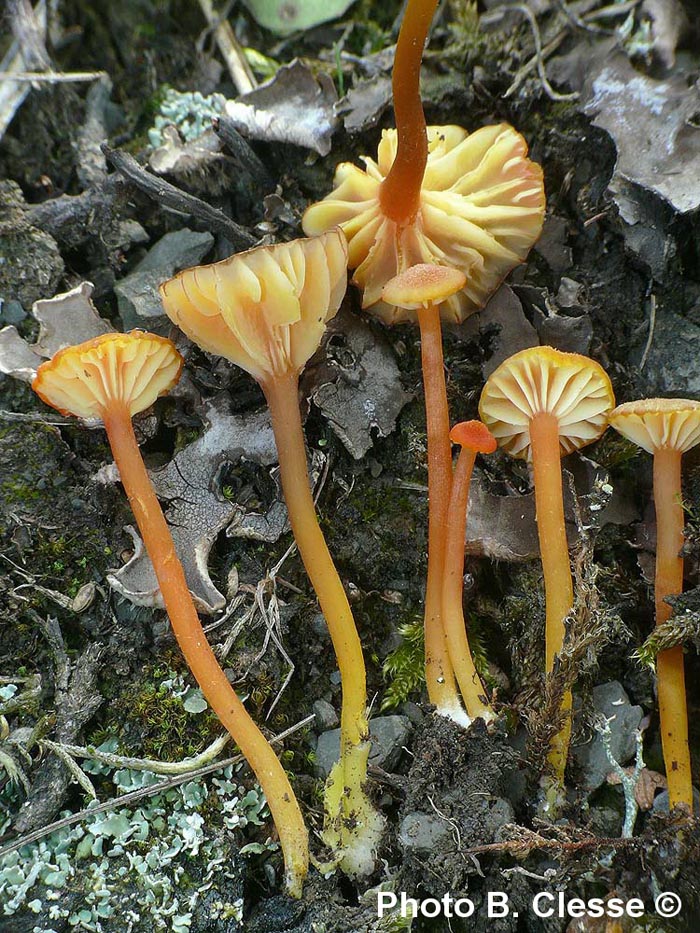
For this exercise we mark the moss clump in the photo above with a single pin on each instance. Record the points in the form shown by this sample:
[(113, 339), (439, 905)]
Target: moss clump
[(404, 668), (157, 713)]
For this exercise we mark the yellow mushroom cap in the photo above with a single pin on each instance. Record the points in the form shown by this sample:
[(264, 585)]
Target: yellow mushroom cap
[(655, 423), (423, 285), (265, 309), (573, 388), (481, 208), (130, 369)]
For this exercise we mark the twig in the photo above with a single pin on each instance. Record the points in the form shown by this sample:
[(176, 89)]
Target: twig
[(242, 152), (51, 77), (519, 847), (76, 771), (139, 794), (170, 196), (230, 48), (539, 60), (187, 765)]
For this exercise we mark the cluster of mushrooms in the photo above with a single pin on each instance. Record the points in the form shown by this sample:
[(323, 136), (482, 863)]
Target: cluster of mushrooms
[(430, 229)]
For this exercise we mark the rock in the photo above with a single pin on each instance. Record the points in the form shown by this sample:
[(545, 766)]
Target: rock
[(569, 295), (388, 734), (30, 262), (423, 832), (661, 801), (673, 363), (610, 701), (137, 293), (326, 716), (11, 312), (569, 334)]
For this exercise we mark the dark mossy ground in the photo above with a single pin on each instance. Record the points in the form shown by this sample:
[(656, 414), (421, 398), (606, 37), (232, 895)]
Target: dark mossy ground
[(60, 529)]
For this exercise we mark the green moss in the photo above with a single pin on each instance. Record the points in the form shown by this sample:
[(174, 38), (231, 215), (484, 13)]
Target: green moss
[(166, 730), (404, 668)]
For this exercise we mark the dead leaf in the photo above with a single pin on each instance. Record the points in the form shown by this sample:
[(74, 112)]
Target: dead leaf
[(651, 121), (294, 107), (364, 104), (64, 320), (358, 386), (197, 512), (646, 787), (175, 156)]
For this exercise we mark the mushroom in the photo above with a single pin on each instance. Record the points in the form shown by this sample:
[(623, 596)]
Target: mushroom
[(473, 438), (422, 289), (666, 428), (112, 378), (541, 404), (481, 209), (435, 194), (266, 310)]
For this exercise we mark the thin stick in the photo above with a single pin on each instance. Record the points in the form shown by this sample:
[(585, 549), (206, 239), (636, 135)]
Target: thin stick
[(168, 195), (230, 48), (51, 77)]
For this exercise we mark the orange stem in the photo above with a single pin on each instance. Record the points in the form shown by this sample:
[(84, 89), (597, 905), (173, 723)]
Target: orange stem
[(442, 690), (554, 552), (282, 398), (470, 685), (199, 656), (673, 711), (399, 195)]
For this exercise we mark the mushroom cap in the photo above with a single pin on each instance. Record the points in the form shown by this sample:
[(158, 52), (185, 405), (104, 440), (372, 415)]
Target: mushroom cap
[(264, 309), (481, 208), (422, 285), (474, 435), (573, 388), (131, 369), (655, 423)]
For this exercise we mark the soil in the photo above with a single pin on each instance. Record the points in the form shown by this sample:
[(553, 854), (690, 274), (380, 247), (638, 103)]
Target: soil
[(478, 790)]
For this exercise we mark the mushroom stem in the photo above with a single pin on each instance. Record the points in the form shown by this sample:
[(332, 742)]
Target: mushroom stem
[(554, 552), (470, 685), (199, 656), (282, 396), (399, 194), (439, 675), (669, 664), (352, 825)]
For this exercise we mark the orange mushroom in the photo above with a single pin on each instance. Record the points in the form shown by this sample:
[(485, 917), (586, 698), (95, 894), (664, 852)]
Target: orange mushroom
[(266, 310), (422, 289), (541, 404), (437, 195), (474, 438), (666, 428), (112, 378)]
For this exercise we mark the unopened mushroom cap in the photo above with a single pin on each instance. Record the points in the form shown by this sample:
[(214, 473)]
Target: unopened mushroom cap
[(474, 435), (573, 388), (656, 423), (264, 309), (130, 369), (423, 284), (481, 208)]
